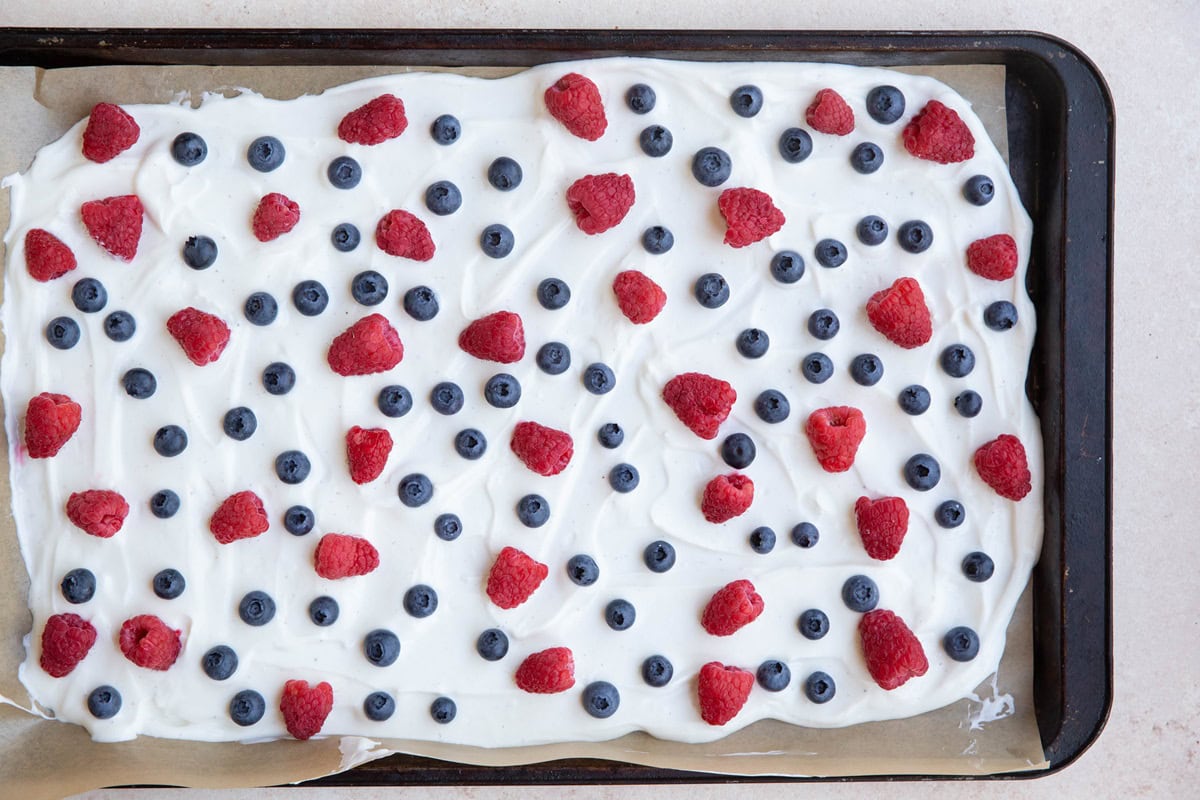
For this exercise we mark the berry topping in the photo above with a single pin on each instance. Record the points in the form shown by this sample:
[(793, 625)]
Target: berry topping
[(415, 490), (149, 642), (823, 324), (900, 314), (201, 335), (787, 266), (639, 297), (219, 663), (305, 707), (711, 290), (819, 687), (169, 584), (872, 230), (492, 645), (88, 294), (830, 253), (367, 451), (829, 113), (922, 472), (623, 478), (404, 235), (443, 710), (999, 316), (50, 421), (866, 158), (575, 101), (882, 525), (345, 237), (726, 497), (659, 556), (701, 402), (711, 166), (813, 624), (620, 615), (240, 516), (62, 333), (950, 514), (275, 215), (738, 450), (369, 288), (915, 236), (601, 699), (544, 450), (795, 145), (256, 608), (446, 129), (119, 326), (750, 216), (885, 104), (746, 101), (496, 241), (299, 520), (47, 258), (547, 671), (497, 337), (99, 512), (447, 398), (582, 570), (805, 535), (722, 691), (266, 153), (600, 202), (866, 369), (640, 98), (657, 671), (170, 441), (892, 652), (761, 540), (533, 510), (914, 400), (394, 401), (260, 309), (379, 706), (502, 391), (115, 223), (247, 707), (599, 378), (381, 647), (323, 611), (514, 577), (968, 403), (66, 640), (310, 298), (110, 131), (978, 567), (292, 467), (278, 378), (817, 368), (657, 240), (504, 174), (553, 294), (240, 423), (610, 435), (979, 190), (368, 346), (375, 122), (443, 198), (344, 172), (773, 675), (961, 643), (772, 406), (553, 358), (470, 443), (994, 258), (447, 527), (656, 141), (860, 593), (957, 360), (78, 586), (938, 134), (1003, 466), (189, 149), (104, 702)]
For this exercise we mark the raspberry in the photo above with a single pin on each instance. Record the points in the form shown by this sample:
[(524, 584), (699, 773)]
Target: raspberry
[(938, 134), (368, 346), (600, 202), (276, 215), (46, 257), (99, 512), (1003, 466), (893, 653), (115, 223), (835, 434), (149, 642), (514, 577), (726, 497), (750, 216), (731, 607), (240, 516), (377, 121), (994, 258), (882, 524), (899, 313), (201, 335), (723, 691), (547, 672), (66, 640), (110, 131), (701, 401), (829, 113), (544, 450), (342, 556), (404, 235), (639, 297), (50, 420), (497, 337), (367, 451), (305, 707), (575, 101)]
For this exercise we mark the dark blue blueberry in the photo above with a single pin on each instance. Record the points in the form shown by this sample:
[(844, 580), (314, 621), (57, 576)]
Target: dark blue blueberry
[(447, 398), (443, 198), (164, 504), (961, 643), (89, 295), (979, 190), (292, 466), (62, 333), (104, 702), (599, 378), (345, 237), (502, 391), (261, 308), (914, 399), (170, 440), (219, 663), (753, 343), (787, 266), (553, 358), (139, 383), (189, 149), (240, 423), (620, 614), (299, 520), (922, 472), (711, 290), (773, 675), (819, 687), (957, 360), (310, 298), (746, 101), (553, 293), (657, 671), (323, 611), (610, 435), (394, 401), (824, 324), (443, 710), (738, 450), (711, 166), (256, 608), (496, 241), (640, 98), (656, 141), (978, 567), (415, 490), (999, 316), (872, 230), (771, 406), (623, 478), (344, 172), (278, 378), (369, 288), (420, 601), (199, 252), (533, 510), (950, 514), (795, 145), (659, 556), (119, 326), (265, 153), (381, 647), (860, 593), (915, 236), (885, 104), (866, 369), (504, 174), (866, 158), (470, 443), (813, 624), (379, 706), (492, 644), (657, 240), (446, 129), (805, 535), (762, 540), (247, 707), (169, 584), (447, 527), (601, 699), (582, 570), (830, 253), (78, 586), (968, 403), (817, 367)]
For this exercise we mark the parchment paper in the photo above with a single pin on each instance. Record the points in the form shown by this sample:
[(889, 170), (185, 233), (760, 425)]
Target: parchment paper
[(994, 732)]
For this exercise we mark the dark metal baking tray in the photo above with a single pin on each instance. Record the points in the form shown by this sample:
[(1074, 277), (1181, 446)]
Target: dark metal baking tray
[(1060, 119)]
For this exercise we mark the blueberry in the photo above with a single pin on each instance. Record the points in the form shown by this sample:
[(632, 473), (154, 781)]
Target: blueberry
[(824, 324), (599, 378), (659, 556), (247, 707), (866, 369), (553, 294), (813, 624), (261, 308), (447, 398), (771, 406), (505, 174), (738, 450), (961, 643), (582, 570), (188, 149), (819, 687), (369, 288), (164, 504), (104, 702), (443, 198), (394, 401), (957, 360), (89, 295), (381, 647), (656, 141), (170, 440), (139, 383), (872, 230), (711, 166), (256, 608), (830, 253), (999, 316), (299, 520), (292, 466), (805, 535), (502, 391), (640, 98), (968, 403), (199, 252), (323, 611), (762, 540), (415, 490), (420, 601), (610, 435), (443, 710), (753, 343), (119, 326), (657, 240), (915, 236), (278, 378), (860, 593), (922, 472), (240, 423), (447, 527), (817, 367), (345, 237), (914, 399), (774, 676), (620, 614), (979, 190), (470, 444), (657, 671), (344, 172), (795, 145), (711, 290), (623, 478), (885, 104), (601, 699), (950, 514), (78, 586), (746, 101), (62, 333), (310, 298), (169, 584), (265, 153), (553, 358), (219, 663), (496, 241), (492, 644), (978, 567), (446, 129), (787, 266), (379, 706), (533, 510), (866, 158)]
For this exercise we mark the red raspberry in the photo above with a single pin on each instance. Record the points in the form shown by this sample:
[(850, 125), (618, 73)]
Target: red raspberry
[(46, 257), (149, 642), (600, 202), (514, 577), (201, 335), (938, 134), (115, 223), (726, 497), (899, 313), (66, 640), (994, 258), (731, 607), (544, 450), (377, 121), (893, 653), (368, 346), (829, 113), (50, 421), (882, 524), (497, 337), (240, 516), (750, 216), (575, 101), (547, 672), (110, 131), (1003, 466), (701, 401), (835, 434), (404, 235), (276, 215), (639, 297), (723, 691), (367, 451), (305, 707), (99, 512), (342, 556)]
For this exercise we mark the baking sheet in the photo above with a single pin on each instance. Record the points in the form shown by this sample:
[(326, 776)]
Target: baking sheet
[(994, 732)]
